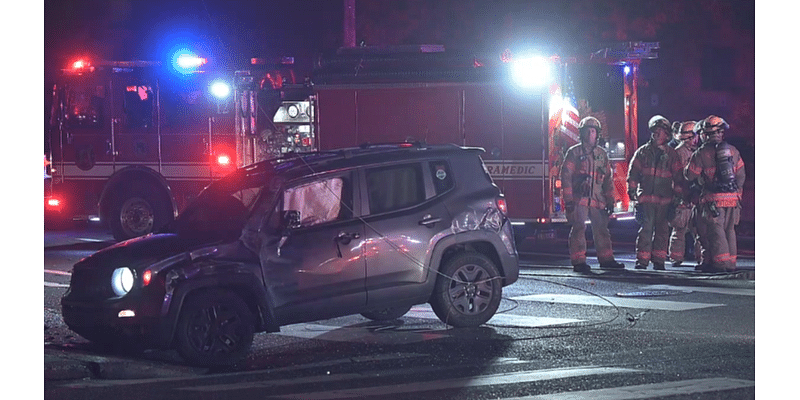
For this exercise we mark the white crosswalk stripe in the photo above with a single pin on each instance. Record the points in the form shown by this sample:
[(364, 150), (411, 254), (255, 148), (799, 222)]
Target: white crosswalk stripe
[(424, 311), (705, 289), (651, 391), (408, 388), (611, 301)]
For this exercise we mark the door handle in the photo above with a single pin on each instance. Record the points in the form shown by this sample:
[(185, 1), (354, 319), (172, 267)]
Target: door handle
[(344, 238), (429, 221)]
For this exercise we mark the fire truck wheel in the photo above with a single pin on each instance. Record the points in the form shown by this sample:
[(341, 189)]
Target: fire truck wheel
[(137, 211)]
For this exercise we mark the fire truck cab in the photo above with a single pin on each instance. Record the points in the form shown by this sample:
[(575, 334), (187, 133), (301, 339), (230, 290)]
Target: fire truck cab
[(131, 142), (422, 93)]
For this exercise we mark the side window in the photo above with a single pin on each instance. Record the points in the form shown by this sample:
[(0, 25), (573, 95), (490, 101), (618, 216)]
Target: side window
[(395, 187), (139, 106), (84, 106), (442, 178), (320, 201), (184, 106)]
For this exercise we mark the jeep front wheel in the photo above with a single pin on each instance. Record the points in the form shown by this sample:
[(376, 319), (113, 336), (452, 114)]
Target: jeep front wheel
[(468, 291), (214, 329)]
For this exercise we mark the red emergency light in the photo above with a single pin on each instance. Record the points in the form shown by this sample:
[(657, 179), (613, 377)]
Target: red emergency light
[(82, 65), (53, 204), (223, 160)]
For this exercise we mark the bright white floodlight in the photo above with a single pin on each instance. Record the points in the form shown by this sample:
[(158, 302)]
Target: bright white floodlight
[(531, 72), (220, 89)]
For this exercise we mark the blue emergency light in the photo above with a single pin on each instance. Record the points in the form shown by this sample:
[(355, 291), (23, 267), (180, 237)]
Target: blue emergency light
[(186, 62)]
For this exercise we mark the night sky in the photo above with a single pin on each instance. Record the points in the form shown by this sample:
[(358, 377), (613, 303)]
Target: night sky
[(231, 32)]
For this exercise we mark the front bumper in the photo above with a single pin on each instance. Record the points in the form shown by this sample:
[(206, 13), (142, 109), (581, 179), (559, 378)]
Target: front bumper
[(114, 320)]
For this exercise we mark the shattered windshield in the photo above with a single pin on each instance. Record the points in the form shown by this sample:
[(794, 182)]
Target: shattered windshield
[(221, 210)]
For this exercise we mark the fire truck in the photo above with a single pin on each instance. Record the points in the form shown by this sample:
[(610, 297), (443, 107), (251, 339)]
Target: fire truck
[(521, 108), (131, 142)]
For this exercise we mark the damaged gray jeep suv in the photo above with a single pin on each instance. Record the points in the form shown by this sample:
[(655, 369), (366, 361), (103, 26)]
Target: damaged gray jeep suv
[(372, 230)]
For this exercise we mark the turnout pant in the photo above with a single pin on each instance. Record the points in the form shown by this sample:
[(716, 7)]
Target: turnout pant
[(653, 239), (721, 237), (577, 235), (683, 223)]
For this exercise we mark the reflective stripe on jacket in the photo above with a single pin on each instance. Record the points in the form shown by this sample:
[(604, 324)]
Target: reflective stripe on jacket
[(653, 172), (702, 167), (586, 177)]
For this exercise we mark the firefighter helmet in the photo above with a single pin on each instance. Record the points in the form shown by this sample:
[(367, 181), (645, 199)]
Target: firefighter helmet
[(686, 130), (676, 126), (658, 121), (590, 122), (698, 128), (713, 123)]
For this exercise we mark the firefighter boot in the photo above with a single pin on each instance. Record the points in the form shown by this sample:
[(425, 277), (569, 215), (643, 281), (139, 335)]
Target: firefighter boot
[(582, 267), (612, 265)]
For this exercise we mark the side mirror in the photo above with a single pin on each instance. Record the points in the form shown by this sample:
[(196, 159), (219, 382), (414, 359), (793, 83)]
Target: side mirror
[(291, 219)]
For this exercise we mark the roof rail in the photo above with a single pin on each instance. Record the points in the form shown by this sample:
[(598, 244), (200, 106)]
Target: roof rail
[(392, 145)]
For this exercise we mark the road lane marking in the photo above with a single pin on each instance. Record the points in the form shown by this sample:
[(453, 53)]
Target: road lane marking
[(56, 284), (706, 289), (647, 304), (57, 272), (404, 334), (474, 381), (358, 334), (650, 391), (424, 311)]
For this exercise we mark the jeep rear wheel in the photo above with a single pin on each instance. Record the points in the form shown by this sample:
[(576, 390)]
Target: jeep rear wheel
[(214, 329), (468, 291)]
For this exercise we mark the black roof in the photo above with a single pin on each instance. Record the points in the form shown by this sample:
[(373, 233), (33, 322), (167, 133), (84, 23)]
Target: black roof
[(294, 165)]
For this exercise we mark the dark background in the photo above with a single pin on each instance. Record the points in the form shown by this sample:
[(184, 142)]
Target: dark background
[(706, 62)]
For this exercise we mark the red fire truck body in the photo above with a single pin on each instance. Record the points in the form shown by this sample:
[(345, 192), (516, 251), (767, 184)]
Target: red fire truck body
[(131, 142), (377, 96)]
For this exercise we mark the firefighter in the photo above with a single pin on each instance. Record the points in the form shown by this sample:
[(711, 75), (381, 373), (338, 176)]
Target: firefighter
[(700, 245), (653, 170), (719, 170), (587, 187), (682, 222), (675, 141)]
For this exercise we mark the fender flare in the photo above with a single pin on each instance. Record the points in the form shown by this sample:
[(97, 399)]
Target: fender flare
[(128, 174), (507, 264)]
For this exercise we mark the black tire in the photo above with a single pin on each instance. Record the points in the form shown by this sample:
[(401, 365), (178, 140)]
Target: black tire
[(137, 211), (215, 328), (386, 314), (468, 291)]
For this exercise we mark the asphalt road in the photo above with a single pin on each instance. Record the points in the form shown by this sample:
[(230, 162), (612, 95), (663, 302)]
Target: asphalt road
[(621, 335)]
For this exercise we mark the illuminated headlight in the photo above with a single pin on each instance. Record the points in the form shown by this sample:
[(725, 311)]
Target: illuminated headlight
[(122, 281)]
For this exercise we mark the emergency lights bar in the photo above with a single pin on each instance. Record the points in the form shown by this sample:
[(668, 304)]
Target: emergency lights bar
[(186, 62)]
